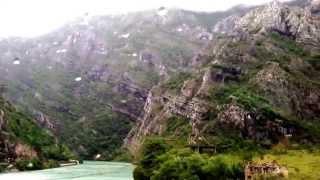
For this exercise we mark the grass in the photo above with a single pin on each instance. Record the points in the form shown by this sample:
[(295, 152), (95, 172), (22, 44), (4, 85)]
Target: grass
[(301, 164), (288, 44), (314, 61), (176, 82), (244, 96)]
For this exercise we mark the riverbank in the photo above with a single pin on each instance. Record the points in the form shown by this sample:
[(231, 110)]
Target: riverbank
[(89, 170)]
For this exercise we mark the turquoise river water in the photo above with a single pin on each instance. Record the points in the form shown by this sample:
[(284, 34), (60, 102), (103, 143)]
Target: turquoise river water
[(89, 170)]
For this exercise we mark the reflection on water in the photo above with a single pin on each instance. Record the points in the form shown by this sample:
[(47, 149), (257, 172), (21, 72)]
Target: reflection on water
[(90, 170)]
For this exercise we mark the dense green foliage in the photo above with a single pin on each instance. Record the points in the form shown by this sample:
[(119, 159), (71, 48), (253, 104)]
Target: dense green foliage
[(176, 81), (160, 162), (244, 96), (178, 128), (103, 136), (29, 164), (22, 129)]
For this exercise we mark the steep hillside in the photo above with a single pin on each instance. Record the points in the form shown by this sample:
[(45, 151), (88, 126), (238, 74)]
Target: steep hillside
[(87, 81), (256, 87), (24, 145)]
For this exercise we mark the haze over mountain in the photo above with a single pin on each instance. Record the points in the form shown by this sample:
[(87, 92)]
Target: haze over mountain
[(37, 17), (154, 86)]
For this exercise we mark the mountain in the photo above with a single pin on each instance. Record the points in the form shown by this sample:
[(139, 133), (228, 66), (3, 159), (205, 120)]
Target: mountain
[(254, 89), (24, 145), (87, 82), (241, 84), (266, 60)]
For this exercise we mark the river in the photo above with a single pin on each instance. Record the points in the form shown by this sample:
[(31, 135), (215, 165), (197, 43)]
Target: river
[(89, 170)]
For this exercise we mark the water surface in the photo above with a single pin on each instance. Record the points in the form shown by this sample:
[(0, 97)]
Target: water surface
[(90, 170)]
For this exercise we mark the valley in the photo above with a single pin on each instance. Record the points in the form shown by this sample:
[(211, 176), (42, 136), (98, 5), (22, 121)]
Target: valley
[(231, 94)]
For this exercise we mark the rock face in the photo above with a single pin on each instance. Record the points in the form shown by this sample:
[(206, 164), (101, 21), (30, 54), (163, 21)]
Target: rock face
[(160, 106), (301, 100), (295, 22), (99, 68), (257, 82), (235, 116), (24, 151)]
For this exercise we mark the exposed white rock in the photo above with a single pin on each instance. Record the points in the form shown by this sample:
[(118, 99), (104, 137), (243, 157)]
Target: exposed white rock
[(38, 95), (16, 62), (226, 25), (59, 51), (78, 79), (179, 29), (125, 36), (134, 54), (123, 101), (275, 16)]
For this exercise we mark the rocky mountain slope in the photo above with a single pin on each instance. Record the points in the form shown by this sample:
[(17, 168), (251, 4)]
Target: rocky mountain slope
[(24, 145), (252, 99), (258, 81), (87, 81)]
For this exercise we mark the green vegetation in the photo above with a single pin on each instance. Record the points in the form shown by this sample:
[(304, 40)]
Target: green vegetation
[(30, 164), (314, 61), (288, 44), (176, 81), (104, 135), (22, 129), (301, 164), (160, 161), (244, 96), (178, 128)]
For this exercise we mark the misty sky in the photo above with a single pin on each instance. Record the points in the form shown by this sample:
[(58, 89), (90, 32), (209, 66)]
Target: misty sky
[(35, 17)]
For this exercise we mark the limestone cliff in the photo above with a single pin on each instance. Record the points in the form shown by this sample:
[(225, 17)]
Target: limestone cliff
[(259, 80)]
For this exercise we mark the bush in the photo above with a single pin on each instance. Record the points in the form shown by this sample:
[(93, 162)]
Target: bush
[(122, 156), (221, 169), (58, 152), (152, 148), (2, 168), (176, 82), (32, 164), (187, 165), (288, 44), (140, 174), (193, 166), (51, 164)]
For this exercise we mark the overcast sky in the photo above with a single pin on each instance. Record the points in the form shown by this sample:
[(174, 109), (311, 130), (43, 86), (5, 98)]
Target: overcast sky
[(30, 18)]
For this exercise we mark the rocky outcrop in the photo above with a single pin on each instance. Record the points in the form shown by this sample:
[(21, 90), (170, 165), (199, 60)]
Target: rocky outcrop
[(24, 151), (249, 82), (45, 121), (2, 120), (296, 22), (252, 124), (161, 105), (294, 97)]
